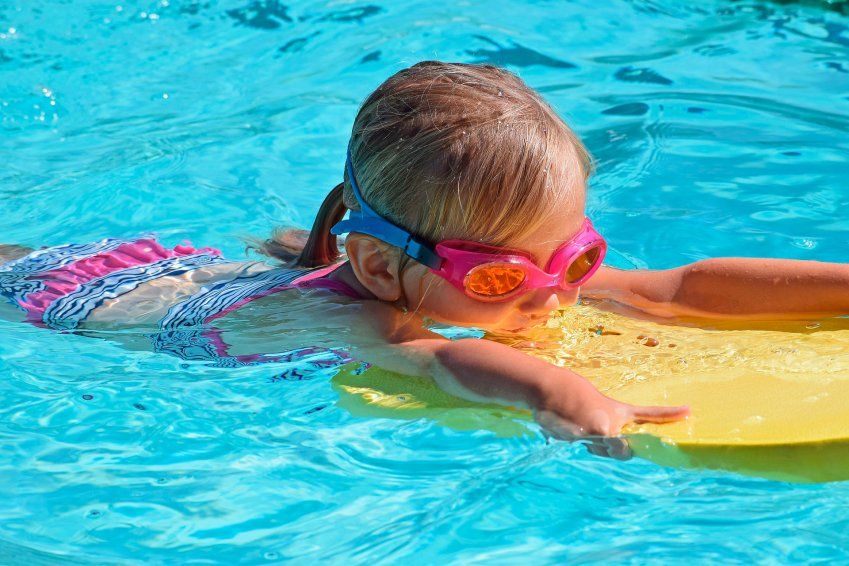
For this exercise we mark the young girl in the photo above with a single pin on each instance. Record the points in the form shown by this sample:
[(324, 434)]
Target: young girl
[(466, 198)]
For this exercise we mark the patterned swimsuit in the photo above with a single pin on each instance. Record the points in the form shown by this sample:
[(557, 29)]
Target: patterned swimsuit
[(59, 287)]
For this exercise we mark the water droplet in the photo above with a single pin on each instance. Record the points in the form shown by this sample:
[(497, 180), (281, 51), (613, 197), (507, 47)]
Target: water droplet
[(165, 95), (143, 15), (161, 481), (139, 406), (813, 325), (271, 556), (93, 514), (119, 8), (153, 17), (88, 397), (500, 92), (12, 31)]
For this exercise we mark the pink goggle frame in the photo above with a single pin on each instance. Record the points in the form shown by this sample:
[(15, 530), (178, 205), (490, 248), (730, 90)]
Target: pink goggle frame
[(494, 274)]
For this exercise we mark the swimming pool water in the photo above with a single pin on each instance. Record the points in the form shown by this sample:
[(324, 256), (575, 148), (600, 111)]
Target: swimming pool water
[(720, 128)]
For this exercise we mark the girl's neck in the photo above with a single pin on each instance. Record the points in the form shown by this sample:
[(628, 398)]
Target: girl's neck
[(345, 274)]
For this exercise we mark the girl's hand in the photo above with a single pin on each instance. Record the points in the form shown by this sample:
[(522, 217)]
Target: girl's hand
[(572, 410)]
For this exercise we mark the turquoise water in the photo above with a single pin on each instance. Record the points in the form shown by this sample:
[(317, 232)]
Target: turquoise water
[(720, 128)]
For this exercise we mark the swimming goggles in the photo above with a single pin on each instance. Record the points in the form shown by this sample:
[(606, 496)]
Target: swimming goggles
[(482, 272)]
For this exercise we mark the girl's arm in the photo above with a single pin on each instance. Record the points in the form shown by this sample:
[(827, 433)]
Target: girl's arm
[(730, 288), (479, 370), (562, 401), (482, 370)]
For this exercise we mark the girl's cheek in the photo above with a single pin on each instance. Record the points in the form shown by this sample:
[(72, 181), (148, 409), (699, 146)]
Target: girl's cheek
[(464, 310), (453, 307), (431, 295), (427, 294)]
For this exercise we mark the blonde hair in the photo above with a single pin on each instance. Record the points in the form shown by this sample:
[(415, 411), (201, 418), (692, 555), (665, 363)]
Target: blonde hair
[(451, 150)]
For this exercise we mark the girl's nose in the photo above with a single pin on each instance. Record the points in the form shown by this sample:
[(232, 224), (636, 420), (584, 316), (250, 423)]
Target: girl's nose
[(541, 301), (568, 298)]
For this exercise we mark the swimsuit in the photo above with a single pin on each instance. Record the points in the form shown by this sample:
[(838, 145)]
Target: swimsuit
[(58, 287)]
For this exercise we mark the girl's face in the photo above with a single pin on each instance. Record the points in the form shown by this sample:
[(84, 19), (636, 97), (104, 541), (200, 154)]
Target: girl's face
[(432, 296)]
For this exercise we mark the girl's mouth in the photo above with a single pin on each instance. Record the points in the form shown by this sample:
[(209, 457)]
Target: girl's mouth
[(528, 322)]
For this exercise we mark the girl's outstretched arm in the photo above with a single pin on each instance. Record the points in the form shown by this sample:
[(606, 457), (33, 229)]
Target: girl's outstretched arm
[(730, 288), (562, 401), (565, 403), (482, 370)]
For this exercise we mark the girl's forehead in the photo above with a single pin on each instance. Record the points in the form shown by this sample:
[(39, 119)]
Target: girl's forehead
[(559, 227)]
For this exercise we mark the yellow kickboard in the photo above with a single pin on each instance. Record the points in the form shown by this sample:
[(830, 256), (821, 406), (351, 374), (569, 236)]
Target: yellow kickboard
[(771, 401)]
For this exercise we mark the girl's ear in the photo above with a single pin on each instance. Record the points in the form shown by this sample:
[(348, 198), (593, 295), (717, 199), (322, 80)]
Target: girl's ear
[(376, 266)]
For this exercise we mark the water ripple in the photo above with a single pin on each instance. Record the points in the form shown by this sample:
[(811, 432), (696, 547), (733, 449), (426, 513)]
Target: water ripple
[(719, 128)]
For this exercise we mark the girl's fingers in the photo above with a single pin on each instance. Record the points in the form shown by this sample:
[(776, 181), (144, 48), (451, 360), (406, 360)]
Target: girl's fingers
[(558, 427), (660, 414), (597, 448), (617, 448)]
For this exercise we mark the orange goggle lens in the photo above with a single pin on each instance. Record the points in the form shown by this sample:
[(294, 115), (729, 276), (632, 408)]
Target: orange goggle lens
[(581, 266), (494, 280)]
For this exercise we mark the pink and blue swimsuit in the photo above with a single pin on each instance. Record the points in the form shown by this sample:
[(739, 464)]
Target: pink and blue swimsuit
[(58, 287)]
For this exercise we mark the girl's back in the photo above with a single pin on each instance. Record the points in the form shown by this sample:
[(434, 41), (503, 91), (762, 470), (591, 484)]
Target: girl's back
[(139, 283)]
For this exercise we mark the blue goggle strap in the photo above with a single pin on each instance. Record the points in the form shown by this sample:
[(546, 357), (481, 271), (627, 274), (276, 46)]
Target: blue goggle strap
[(367, 221)]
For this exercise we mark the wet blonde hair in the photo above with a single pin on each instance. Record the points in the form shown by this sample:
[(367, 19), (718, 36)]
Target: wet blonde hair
[(451, 150)]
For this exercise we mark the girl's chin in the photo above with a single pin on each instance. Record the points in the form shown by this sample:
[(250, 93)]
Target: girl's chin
[(524, 326), (516, 329)]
